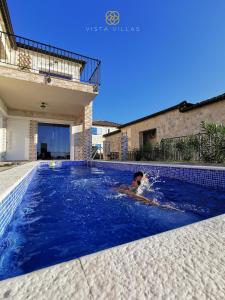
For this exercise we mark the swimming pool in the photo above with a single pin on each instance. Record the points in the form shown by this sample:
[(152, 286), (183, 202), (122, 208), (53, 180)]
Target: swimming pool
[(71, 211)]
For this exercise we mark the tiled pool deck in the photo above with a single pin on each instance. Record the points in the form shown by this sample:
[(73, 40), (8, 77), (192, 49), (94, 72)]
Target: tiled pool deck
[(185, 263)]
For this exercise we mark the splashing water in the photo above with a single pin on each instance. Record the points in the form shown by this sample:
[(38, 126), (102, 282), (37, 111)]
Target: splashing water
[(146, 184)]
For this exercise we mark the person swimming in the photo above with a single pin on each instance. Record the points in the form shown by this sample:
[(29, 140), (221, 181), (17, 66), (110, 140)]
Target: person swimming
[(136, 182), (132, 191)]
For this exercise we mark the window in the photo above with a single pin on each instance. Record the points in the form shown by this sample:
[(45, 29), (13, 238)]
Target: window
[(64, 76), (96, 131), (148, 136)]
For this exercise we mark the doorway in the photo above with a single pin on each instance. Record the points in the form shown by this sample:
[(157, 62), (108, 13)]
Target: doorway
[(53, 141)]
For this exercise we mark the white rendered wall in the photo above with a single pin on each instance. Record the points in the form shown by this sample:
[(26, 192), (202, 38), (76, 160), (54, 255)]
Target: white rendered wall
[(99, 139), (17, 139)]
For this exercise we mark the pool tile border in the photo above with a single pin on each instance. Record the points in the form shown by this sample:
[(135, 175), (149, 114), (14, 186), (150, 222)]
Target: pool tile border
[(11, 198), (206, 176)]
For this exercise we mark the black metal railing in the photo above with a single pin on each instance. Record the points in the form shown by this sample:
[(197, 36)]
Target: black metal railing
[(194, 148), (29, 55)]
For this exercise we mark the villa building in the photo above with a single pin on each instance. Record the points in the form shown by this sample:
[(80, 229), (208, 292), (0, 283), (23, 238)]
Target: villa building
[(46, 96), (99, 129), (176, 121)]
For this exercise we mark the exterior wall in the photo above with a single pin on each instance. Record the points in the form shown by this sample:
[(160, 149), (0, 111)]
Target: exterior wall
[(112, 143), (4, 41), (33, 139), (2, 24), (3, 130), (17, 139), (22, 136), (46, 63), (87, 136), (2, 137), (77, 133), (174, 123), (15, 73), (99, 139)]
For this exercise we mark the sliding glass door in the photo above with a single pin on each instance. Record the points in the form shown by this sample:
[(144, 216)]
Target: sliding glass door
[(53, 141)]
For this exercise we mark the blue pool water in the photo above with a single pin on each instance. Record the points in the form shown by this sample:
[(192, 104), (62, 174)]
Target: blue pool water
[(75, 210)]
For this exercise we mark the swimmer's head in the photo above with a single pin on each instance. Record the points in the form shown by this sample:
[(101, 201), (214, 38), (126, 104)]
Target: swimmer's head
[(138, 177)]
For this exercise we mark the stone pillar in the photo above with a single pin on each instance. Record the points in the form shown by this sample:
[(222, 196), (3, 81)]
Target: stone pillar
[(3, 132), (77, 132), (87, 136), (106, 150), (33, 140), (124, 146)]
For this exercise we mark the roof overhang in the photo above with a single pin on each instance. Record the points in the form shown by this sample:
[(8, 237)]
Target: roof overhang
[(28, 96)]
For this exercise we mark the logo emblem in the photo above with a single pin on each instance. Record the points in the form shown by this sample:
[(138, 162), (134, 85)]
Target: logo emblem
[(112, 17)]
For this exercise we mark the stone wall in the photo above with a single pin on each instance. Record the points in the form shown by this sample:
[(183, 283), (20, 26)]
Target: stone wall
[(106, 150), (9, 72), (78, 142), (3, 130), (33, 140), (115, 142), (124, 146), (172, 124), (87, 136), (3, 123)]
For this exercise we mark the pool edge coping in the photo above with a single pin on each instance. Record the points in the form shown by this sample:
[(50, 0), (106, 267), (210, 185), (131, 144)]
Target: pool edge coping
[(5, 193), (172, 165)]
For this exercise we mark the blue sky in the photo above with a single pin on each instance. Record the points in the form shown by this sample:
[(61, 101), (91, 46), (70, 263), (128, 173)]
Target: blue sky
[(178, 54)]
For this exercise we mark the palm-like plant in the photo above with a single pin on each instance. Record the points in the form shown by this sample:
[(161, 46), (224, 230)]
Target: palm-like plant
[(213, 142)]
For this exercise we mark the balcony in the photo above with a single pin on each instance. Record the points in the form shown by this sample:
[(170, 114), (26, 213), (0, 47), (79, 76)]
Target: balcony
[(31, 56), (33, 72)]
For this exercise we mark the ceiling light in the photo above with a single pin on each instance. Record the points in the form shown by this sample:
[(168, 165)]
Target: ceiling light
[(43, 105)]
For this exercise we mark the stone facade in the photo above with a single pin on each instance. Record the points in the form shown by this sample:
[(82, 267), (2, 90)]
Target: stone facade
[(170, 124), (78, 142), (3, 130), (3, 123), (87, 136), (106, 149), (14, 73), (113, 143), (33, 140), (124, 146)]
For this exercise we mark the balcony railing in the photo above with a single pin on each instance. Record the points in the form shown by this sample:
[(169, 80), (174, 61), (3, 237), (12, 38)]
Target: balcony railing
[(32, 56)]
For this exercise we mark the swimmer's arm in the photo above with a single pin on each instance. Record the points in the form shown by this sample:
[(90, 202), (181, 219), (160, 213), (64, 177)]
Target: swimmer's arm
[(138, 197), (145, 200)]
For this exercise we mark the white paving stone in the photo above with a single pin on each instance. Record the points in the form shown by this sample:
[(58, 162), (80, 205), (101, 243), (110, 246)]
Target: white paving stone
[(9, 177), (62, 281), (186, 263)]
